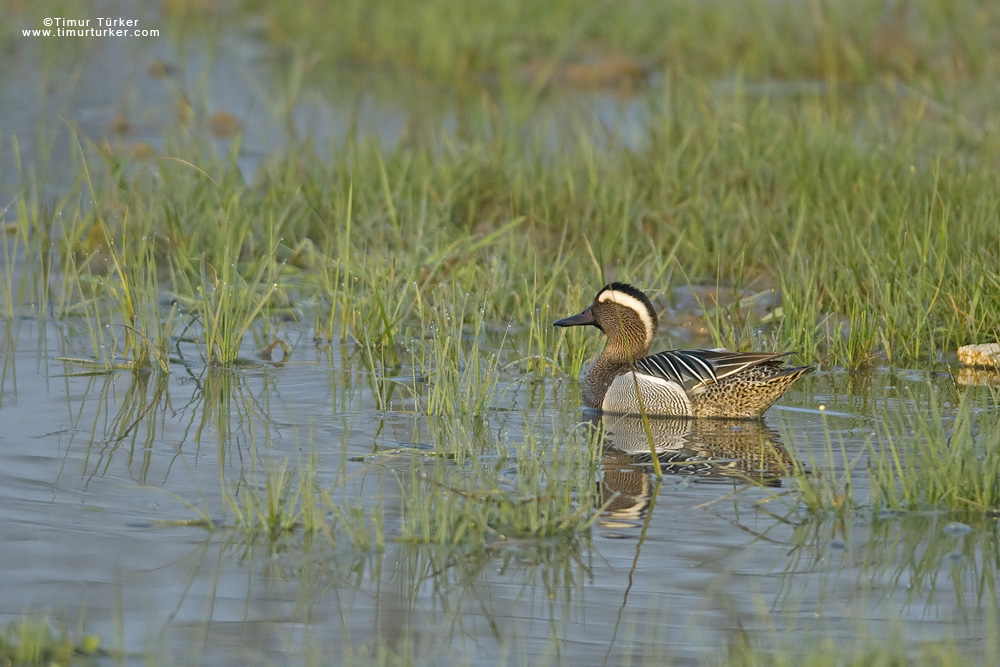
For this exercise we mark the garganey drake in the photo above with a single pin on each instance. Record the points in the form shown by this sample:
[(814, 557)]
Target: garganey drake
[(676, 383)]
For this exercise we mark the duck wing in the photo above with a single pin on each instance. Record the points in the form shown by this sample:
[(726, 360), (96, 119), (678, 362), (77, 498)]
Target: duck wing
[(691, 368)]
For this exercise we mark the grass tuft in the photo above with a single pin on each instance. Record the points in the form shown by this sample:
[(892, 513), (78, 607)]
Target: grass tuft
[(30, 640), (546, 490), (932, 455)]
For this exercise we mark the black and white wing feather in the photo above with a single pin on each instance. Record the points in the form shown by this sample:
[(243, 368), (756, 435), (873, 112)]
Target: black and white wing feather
[(694, 368)]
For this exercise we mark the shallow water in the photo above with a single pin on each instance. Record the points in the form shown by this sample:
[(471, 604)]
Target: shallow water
[(97, 470), (95, 467)]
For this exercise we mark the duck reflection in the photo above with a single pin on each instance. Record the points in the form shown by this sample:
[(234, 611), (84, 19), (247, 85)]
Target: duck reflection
[(709, 450)]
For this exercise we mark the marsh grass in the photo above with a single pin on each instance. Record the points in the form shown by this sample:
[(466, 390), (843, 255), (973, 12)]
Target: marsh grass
[(448, 260), (848, 42), (463, 496), (234, 279), (536, 490), (935, 455), (274, 504), (132, 282), (12, 248), (31, 640), (910, 560), (928, 451), (275, 501), (128, 328), (940, 559), (823, 477), (229, 305), (31, 260), (463, 376), (878, 254), (772, 648), (216, 250)]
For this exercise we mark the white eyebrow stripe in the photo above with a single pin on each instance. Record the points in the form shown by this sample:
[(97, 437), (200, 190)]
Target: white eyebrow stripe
[(629, 301)]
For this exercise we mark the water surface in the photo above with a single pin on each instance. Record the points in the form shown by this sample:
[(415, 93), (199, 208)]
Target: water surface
[(97, 467)]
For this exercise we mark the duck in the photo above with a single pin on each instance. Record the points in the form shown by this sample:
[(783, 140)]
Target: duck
[(626, 379)]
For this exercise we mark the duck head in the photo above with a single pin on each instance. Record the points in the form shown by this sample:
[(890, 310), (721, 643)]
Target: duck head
[(624, 314)]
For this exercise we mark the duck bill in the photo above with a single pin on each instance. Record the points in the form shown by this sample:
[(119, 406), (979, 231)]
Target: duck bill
[(586, 317)]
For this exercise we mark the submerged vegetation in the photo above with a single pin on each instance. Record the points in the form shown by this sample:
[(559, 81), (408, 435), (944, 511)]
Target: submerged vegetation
[(815, 177)]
